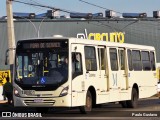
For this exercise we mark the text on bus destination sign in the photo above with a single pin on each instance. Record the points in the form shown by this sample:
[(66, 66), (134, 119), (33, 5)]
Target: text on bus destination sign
[(45, 45)]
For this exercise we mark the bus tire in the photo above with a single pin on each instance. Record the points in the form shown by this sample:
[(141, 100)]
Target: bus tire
[(42, 109), (88, 107), (123, 104), (134, 99)]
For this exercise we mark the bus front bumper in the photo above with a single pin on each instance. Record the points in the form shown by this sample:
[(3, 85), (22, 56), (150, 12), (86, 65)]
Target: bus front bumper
[(42, 102)]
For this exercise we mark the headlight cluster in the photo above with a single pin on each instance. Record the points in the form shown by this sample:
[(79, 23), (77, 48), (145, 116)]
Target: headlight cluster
[(16, 93), (64, 92)]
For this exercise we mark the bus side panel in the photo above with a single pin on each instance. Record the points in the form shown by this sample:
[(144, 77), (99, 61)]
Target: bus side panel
[(146, 82)]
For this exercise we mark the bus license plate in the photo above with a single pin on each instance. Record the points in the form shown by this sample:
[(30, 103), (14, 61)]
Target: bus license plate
[(29, 92), (38, 100)]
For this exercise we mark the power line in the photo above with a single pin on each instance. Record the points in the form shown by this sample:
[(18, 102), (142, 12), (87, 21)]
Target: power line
[(43, 6), (98, 6), (38, 9), (50, 7), (37, 3)]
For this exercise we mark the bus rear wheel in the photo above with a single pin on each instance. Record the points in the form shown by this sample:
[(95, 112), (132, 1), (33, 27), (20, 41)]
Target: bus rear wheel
[(133, 103), (88, 107), (123, 104)]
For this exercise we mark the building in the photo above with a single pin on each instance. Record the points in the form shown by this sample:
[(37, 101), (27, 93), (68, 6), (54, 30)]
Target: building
[(145, 31)]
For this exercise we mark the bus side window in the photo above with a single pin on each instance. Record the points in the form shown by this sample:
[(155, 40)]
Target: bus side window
[(129, 53), (90, 58), (136, 60), (113, 59), (146, 60), (76, 64), (152, 60), (122, 59), (101, 56)]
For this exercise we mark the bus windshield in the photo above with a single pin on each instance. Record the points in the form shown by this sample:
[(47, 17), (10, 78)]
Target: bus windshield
[(41, 68)]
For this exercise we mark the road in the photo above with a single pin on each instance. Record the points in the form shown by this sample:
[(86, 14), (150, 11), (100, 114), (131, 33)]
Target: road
[(147, 109)]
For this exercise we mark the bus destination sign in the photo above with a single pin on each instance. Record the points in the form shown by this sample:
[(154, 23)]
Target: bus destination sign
[(42, 45)]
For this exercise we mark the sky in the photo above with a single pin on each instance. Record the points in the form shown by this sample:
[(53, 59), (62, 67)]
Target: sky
[(121, 6)]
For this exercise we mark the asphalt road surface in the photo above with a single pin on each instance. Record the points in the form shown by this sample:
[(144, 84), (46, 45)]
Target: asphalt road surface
[(147, 109)]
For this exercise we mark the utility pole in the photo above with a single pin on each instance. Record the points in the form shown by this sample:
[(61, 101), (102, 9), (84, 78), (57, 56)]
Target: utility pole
[(11, 35)]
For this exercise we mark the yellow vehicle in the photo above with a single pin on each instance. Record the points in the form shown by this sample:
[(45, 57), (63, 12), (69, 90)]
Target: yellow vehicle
[(158, 77), (3, 75)]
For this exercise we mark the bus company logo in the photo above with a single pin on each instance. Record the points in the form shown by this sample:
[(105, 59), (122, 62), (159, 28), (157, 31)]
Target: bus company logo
[(108, 37)]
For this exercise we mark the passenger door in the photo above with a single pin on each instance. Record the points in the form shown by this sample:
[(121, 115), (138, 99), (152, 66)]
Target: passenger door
[(102, 87), (123, 69), (114, 83), (77, 75)]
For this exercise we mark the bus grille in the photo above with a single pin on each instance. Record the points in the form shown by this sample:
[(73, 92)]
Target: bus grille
[(43, 103)]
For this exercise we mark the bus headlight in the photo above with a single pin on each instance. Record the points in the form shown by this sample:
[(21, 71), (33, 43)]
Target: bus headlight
[(16, 93), (64, 92)]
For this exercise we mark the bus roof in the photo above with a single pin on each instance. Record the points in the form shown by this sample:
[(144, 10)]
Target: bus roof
[(96, 42)]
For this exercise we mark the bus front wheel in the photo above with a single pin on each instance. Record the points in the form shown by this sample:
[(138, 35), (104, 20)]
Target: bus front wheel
[(88, 107)]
